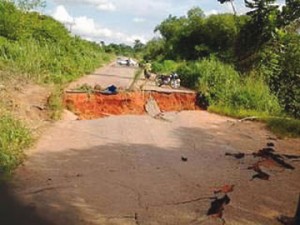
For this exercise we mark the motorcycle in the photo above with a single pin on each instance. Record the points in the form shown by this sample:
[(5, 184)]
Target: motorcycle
[(172, 80)]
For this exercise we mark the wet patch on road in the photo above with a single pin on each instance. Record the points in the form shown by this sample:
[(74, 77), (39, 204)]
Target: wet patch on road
[(268, 159)]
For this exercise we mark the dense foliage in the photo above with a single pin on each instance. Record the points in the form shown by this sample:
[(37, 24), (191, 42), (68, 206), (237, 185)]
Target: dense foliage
[(14, 137), (194, 36), (42, 49), (248, 62)]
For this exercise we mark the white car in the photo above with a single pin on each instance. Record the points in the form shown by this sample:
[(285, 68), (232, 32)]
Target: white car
[(128, 62)]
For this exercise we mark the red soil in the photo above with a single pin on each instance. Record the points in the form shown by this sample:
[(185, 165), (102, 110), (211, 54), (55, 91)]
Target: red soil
[(97, 105)]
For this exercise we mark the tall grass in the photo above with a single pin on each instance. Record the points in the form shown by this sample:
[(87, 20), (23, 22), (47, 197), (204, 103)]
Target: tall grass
[(226, 90), (50, 62), (14, 138)]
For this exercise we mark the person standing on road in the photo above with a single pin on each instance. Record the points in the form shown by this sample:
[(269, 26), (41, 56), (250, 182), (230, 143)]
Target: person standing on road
[(147, 70)]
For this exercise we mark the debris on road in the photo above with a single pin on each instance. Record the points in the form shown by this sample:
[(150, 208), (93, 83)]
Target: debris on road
[(224, 189), (110, 90), (236, 155), (153, 110), (152, 107), (217, 207), (184, 159), (259, 173), (268, 159)]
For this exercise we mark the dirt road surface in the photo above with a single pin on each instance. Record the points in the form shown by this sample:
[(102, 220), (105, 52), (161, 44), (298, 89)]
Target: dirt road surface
[(137, 170)]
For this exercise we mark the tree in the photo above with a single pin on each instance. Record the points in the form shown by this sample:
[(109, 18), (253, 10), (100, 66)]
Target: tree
[(138, 45), (266, 23), (269, 43), (154, 49), (195, 12)]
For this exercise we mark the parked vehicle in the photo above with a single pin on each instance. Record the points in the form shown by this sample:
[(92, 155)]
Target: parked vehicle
[(172, 80)]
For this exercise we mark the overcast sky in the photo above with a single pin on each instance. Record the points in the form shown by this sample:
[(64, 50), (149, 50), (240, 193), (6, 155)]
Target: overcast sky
[(123, 21)]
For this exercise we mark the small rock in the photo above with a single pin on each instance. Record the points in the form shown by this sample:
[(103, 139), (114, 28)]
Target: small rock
[(184, 159)]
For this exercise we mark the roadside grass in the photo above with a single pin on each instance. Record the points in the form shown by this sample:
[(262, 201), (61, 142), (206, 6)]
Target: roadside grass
[(14, 138), (284, 127), (237, 113), (279, 125)]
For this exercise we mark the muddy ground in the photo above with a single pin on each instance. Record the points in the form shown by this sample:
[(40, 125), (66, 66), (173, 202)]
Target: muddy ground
[(134, 169)]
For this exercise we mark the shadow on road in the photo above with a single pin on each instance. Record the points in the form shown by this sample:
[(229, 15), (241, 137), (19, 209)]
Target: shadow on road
[(143, 184), (13, 212)]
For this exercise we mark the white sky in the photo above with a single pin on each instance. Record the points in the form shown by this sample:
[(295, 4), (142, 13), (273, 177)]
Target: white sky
[(123, 21)]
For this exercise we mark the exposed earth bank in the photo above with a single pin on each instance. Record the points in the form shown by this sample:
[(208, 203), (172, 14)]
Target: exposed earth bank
[(92, 106)]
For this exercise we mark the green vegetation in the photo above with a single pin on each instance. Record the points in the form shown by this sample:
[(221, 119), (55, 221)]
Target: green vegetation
[(125, 50), (241, 65), (224, 87), (41, 49), (165, 67), (14, 138), (284, 127)]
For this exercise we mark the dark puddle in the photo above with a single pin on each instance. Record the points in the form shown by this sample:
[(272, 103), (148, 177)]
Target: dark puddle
[(219, 202), (217, 207), (267, 158)]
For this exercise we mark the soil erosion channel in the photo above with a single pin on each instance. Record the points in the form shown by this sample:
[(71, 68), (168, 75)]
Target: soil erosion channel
[(137, 169)]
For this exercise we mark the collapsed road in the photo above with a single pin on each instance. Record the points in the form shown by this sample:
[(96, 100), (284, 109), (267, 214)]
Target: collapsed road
[(136, 169)]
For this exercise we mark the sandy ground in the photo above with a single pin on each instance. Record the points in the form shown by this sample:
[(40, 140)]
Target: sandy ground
[(138, 170)]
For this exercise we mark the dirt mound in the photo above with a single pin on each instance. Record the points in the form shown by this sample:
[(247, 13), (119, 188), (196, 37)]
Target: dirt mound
[(97, 105), (26, 101)]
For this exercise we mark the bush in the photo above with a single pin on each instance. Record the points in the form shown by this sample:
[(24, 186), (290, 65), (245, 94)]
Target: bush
[(164, 67), (222, 86), (217, 81), (254, 94), (189, 74)]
